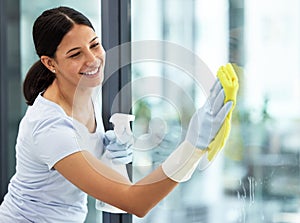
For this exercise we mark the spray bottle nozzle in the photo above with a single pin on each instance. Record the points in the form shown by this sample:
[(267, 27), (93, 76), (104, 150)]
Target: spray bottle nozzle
[(121, 124)]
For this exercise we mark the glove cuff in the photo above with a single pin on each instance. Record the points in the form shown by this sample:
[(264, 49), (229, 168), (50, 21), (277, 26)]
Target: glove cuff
[(181, 164), (121, 169)]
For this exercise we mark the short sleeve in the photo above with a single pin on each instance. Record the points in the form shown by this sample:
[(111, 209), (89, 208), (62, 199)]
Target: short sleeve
[(55, 139)]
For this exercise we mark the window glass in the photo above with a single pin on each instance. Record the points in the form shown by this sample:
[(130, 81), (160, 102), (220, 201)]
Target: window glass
[(30, 10), (256, 177)]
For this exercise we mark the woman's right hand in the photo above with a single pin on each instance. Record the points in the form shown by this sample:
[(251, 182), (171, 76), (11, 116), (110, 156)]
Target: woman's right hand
[(206, 121), (208, 128)]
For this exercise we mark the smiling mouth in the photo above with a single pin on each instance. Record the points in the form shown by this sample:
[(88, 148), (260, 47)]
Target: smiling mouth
[(91, 73)]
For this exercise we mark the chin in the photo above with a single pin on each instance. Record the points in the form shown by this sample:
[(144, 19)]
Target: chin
[(89, 81)]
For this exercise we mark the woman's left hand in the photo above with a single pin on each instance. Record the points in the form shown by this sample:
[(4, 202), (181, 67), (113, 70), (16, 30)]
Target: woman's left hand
[(119, 153)]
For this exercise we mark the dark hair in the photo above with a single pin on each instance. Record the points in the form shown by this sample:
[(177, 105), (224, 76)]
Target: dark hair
[(48, 31)]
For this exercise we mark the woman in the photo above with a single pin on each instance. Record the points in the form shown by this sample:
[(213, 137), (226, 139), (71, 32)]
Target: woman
[(61, 136)]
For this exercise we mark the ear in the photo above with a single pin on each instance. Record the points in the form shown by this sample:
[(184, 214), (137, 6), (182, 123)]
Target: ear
[(48, 62)]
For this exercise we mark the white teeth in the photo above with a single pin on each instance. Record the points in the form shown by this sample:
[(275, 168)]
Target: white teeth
[(90, 72)]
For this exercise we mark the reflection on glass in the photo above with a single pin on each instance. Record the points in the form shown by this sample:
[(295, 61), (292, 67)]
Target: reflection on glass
[(257, 176)]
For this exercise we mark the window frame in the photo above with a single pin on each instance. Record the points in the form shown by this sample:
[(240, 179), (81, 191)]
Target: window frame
[(116, 30), (3, 99), (9, 88)]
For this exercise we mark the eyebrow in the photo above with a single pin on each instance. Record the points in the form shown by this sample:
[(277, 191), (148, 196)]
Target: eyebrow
[(76, 48)]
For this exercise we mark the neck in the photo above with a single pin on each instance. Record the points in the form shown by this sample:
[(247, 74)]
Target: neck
[(73, 100)]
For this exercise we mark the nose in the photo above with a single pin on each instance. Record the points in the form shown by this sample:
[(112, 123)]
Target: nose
[(102, 54), (90, 58)]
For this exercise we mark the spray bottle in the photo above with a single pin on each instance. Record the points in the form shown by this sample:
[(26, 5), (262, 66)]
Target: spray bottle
[(121, 123)]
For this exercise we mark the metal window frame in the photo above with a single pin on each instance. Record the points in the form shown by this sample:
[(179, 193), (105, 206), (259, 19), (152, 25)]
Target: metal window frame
[(116, 30), (10, 78), (3, 99)]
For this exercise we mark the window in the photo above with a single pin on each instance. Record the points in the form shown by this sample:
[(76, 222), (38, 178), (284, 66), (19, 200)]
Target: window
[(256, 177)]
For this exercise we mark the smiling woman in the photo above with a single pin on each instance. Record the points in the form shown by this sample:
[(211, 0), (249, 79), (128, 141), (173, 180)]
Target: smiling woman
[(78, 64)]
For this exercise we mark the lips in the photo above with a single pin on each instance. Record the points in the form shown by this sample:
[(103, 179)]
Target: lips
[(91, 72)]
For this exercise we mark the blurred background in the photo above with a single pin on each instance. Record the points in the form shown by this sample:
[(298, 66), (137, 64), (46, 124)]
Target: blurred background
[(256, 178)]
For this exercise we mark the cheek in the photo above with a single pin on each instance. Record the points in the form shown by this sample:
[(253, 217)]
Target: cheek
[(70, 68), (69, 72)]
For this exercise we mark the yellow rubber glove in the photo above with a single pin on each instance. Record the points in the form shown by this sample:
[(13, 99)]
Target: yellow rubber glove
[(229, 81)]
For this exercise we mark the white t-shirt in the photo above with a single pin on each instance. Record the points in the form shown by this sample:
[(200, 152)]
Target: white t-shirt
[(37, 192)]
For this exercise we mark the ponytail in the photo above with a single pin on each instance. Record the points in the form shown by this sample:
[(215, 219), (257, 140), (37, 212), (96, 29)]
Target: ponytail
[(38, 79)]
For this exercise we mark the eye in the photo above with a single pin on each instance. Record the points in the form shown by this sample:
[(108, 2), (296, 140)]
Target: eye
[(75, 55), (95, 45)]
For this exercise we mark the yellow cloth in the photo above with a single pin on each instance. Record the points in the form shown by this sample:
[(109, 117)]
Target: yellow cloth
[(229, 81)]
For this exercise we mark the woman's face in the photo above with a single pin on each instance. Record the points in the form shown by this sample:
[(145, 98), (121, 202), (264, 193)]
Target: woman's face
[(80, 58)]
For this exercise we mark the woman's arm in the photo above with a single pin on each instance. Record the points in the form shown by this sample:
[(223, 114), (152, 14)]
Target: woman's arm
[(92, 176), (98, 180)]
